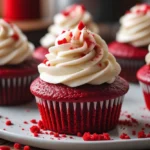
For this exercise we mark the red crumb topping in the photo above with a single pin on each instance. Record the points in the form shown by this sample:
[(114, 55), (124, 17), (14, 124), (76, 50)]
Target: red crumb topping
[(95, 137), (141, 134), (65, 13), (8, 123), (82, 7), (81, 25), (35, 129), (25, 122), (63, 41), (26, 147), (15, 36), (79, 134), (44, 61), (33, 121), (4, 148), (17, 146), (70, 34), (88, 42), (56, 134), (63, 31), (124, 136)]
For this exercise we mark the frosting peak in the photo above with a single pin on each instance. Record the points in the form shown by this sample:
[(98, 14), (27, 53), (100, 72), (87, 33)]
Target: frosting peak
[(14, 47), (79, 57), (135, 26), (68, 19)]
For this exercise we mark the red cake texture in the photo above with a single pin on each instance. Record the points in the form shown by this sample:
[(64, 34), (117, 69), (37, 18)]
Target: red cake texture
[(87, 108), (143, 75), (15, 81), (39, 53), (129, 57)]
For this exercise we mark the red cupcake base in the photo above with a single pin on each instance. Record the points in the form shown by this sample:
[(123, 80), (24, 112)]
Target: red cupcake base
[(71, 117)]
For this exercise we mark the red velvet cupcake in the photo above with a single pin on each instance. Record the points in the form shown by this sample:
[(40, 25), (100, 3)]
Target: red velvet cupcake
[(17, 68), (143, 75), (133, 38), (79, 89), (67, 19)]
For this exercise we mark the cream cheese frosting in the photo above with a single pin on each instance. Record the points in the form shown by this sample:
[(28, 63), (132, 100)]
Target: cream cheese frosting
[(135, 26), (147, 58), (79, 57), (14, 46), (68, 19)]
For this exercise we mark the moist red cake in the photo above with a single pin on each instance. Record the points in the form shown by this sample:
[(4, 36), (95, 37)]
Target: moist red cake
[(143, 75), (39, 53), (129, 57), (15, 81), (92, 108)]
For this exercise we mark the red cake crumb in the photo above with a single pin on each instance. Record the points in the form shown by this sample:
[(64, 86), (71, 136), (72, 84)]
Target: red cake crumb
[(63, 31), (51, 133), (15, 36), (79, 134), (40, 124), (4, 129), (71, 137), (81, 25), (8, 123), (26, 147), (17, 146), (25, 122), (56, 134), (63, 41), (35, 129), (35, 134), (70, 34), (63, 135), (95, 137), (124, 136), (22, 129), (33, 121), (141, 134), (4, 148)]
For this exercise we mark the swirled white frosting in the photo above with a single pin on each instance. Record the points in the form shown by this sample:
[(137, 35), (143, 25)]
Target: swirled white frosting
[(147, 58), (135, 26), (79, 57), (14, 46), (68, 19)]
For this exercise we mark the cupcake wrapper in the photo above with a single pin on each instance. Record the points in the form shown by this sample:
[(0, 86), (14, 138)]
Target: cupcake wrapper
[(72, 117), (146, 92), (15, 90), (130, 68)]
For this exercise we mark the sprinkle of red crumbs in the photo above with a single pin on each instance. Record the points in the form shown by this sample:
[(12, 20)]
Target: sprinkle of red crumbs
[(63, 41), (70, 34), (88, 42), (8, 123), (56, 134), (124, 136), (141, 134), (17, 146), (33, 121), (95, 137), (81, 25), (15, 36), (63, 31), (35, 129), (4, 148), (26, 147)]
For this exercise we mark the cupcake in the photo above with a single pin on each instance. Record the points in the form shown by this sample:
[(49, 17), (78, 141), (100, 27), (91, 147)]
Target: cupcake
[(130, 47), (143, 75), (67, 19), (17, 68), (79, 89)]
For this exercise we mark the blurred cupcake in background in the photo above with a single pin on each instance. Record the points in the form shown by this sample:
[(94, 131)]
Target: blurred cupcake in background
[(17, 67), (130, 47), (143, 75), (67, 19)]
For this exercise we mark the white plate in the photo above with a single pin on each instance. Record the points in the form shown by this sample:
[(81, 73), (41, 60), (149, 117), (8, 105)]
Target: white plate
[(133, 104)]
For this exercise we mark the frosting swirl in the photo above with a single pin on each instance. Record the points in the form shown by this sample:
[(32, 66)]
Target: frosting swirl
[(147, 58), (68, 19), (14, 47), (79, 57), (135, 26)]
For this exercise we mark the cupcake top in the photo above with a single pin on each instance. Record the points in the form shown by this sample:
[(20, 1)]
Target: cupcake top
[(135, 26), (147, 58), (14, 46), (68, 19), (79, 57)]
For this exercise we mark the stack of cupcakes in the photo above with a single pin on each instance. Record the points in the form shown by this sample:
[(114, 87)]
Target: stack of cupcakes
[(133, 39), (79, 88), (17, 67), (67, 19)]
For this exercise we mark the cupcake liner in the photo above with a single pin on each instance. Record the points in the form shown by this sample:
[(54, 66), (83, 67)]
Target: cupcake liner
[(15, 90), (146, 92), (130, 68), (73, 117)]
